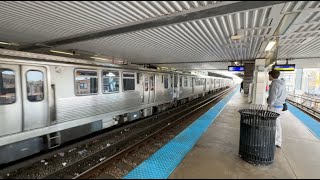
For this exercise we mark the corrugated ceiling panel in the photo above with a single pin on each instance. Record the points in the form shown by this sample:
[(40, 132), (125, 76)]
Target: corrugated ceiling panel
[(297, 6), (197, 66), (46, 20), (201, 40), (303, 37)]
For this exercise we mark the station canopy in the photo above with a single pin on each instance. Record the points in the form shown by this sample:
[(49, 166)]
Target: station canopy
[(182, 35)]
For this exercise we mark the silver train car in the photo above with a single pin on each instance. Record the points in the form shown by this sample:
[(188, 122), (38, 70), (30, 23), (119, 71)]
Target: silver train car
[(44, 104)]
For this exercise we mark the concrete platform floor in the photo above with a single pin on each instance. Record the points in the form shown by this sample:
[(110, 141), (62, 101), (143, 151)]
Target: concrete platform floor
[(216, 153)]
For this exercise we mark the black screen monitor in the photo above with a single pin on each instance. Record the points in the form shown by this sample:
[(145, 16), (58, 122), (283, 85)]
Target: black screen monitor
[(235, 68), (284, 67)]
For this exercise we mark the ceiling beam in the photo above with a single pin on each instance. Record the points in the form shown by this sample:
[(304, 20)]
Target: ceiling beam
[(199, 62), (195, 14)]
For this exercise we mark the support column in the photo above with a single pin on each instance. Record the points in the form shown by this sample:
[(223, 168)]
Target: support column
[(248, 76), (259, 82), (298, 82)]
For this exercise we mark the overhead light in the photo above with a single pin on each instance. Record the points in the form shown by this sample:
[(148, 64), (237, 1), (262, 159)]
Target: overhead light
[(110, 74), (270, 45), (286, 22), (104, 59), (61, 52), (4, 43), (235, 37), (10, 44)]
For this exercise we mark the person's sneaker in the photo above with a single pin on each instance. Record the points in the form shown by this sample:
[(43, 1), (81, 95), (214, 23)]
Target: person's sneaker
[(278, 146)]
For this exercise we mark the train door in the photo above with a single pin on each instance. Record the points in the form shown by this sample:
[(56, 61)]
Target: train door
[(175, 86), (212, 84), (35, 97), (149, 88), (204, 80), (152, 88), (217, 83), (192, 84), (10, 99)]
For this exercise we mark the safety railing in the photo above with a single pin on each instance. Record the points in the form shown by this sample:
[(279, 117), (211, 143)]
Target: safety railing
[(308, 103)]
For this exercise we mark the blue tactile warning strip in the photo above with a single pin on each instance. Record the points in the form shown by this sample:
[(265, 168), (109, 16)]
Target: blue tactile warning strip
[(312, 124), (163, 162)]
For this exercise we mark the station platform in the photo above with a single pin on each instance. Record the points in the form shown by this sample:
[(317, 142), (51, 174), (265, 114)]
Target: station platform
[(215, 153)]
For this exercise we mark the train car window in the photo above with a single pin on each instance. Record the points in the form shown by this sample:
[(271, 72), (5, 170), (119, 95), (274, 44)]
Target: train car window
[(83, 85), (110, 81), (151, 83), (185, 80), (166, 81), (128, 81), (180, 81), (35, 89), (191, 83), (86, 82), (7, 87)]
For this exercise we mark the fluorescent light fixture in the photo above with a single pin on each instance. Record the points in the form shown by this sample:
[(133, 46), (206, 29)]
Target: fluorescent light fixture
[(104, 59), (61, 52), (236, 37), (110, 74), (5, 43), (10, 44), (286, 22), (270, 45)]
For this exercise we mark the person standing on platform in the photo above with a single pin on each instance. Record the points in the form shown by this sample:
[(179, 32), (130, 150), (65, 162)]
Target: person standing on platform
[(276, 99), (241, 86)]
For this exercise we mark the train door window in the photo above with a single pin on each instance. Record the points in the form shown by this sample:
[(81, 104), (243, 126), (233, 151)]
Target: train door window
[(151, 83), (180, 81), (86, 82), (7, 87), (198, 82), (166, 81), (35, 89), (110, 81), (185, 80), (128, 81), (138, 78), (191, 83), (83, 85), (175, 80), (217, 83), (146, 83)]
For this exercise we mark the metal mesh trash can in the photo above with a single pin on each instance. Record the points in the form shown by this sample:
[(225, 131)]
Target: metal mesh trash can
[(257, 136)]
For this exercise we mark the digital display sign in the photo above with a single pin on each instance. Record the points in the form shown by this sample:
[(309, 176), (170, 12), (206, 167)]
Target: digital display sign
[(235, 68), (284, 67)]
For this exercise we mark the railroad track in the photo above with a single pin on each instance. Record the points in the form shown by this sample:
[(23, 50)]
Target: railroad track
[(313, 113), (118, 141), (133, 155)]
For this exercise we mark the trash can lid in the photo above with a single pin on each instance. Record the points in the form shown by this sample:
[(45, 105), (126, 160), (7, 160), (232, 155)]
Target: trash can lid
[(258, 112)]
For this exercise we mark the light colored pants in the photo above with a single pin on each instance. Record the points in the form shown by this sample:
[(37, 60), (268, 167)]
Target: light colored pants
[(278, 125)]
